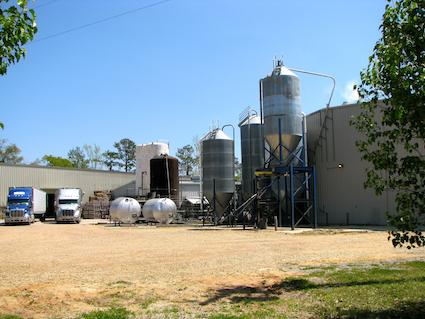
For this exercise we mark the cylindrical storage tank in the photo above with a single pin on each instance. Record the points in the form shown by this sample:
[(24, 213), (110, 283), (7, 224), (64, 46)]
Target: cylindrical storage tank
[(217, 160), (164, 177), (144, 153), (124, 210), (159, 209), (280, 96), (252, 150)]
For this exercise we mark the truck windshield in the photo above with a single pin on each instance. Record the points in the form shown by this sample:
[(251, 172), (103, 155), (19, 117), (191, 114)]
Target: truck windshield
[(68, 201), (19, 201)]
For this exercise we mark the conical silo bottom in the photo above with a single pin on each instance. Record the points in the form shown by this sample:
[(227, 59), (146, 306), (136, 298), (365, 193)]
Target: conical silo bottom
[(221, 203), (290, 143)]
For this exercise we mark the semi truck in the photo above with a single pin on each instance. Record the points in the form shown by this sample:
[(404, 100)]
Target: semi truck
[(24, 204), (68, 205)]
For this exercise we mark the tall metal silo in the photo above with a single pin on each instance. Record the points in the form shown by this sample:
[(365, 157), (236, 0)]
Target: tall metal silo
[(164, 177), (252, 151), (280, 98), (217, 160)]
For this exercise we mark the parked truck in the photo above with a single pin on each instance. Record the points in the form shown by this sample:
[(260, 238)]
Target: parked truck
[(68, 204), (24, 204)]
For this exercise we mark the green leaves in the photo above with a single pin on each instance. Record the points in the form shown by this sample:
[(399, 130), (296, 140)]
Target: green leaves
[(126, 154), (10, 153), (57, 161), (187, 158), (17, 27), (392, 122)]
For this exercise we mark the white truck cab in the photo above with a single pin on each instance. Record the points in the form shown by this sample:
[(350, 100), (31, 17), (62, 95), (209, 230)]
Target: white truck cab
[(68, 205)]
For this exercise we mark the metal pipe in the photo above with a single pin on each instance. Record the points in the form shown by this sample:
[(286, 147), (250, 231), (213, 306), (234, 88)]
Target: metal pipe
[(291, 190), (168, 177), (262, 121), (322, 75), (233, 130), (215, 204), (201, 190)]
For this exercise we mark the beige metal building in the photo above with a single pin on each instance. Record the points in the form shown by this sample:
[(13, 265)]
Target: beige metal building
[(51, 178), (342, 198)]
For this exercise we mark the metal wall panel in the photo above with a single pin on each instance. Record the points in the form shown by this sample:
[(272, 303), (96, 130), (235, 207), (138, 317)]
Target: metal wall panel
[(342, 198), (48, 178)]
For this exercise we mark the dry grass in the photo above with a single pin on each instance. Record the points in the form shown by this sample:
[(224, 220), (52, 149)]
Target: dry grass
[(51, 270)]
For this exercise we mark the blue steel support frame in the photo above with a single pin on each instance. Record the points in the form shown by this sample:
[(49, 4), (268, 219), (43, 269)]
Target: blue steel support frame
[(291, 171)]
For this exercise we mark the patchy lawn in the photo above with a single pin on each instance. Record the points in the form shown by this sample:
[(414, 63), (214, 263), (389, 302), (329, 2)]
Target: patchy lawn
[(382, 291)]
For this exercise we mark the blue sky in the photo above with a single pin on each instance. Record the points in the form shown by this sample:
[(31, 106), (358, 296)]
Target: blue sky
[(170, 71)]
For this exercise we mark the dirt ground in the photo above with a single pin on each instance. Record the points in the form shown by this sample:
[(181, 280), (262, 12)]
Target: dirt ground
[(50, 270)]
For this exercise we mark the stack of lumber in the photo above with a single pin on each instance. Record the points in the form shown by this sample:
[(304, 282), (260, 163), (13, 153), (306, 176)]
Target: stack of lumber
[(97, 206)]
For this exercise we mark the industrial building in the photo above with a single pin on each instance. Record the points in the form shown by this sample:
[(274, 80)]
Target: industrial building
[(342, 199), (49, 179), (297, 170)]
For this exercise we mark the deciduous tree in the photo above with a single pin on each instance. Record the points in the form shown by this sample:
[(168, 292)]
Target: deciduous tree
[(187, 158), (17, 28), (126, 151), (10, 153), (56, 161), (392, 121), (78, 158), (93, 154), (110, 159)]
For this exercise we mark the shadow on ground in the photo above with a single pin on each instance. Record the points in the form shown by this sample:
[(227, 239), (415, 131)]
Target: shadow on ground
[(263, 293)]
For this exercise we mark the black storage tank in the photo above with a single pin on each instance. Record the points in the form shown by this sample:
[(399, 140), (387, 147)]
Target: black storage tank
[(164, 177)]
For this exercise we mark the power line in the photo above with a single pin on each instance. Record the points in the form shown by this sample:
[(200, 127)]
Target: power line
[(101, 20), (45, 4)]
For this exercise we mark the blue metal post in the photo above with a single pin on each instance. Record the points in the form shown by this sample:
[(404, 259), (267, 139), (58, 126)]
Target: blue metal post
[(303, 146), (313, 172), (280, 143), (291, 191)]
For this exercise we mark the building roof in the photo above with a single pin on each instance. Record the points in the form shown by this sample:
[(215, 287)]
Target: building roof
[(68, 168)]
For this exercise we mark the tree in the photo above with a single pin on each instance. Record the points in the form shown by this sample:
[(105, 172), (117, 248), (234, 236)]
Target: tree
[(56, 161), (392, 121), (77, 158), (187, 158), (9, 153), (17, 27), (126, 151), (110, 159), (93, 154), (238, 170)]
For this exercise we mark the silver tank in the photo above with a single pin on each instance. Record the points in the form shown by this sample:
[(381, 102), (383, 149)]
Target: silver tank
[(281, 100), (159, 209), (217, 159), (252, 150), (124, 210)]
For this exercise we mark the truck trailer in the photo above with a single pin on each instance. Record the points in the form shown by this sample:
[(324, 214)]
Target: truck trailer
[(24, 204), (68, 205)]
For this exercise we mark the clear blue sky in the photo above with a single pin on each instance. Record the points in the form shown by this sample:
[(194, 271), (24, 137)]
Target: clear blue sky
[(168, 72)]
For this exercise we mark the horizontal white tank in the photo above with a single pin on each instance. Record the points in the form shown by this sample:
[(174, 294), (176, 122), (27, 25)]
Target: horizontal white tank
[(159, 209), (144, 153), (125, 210)]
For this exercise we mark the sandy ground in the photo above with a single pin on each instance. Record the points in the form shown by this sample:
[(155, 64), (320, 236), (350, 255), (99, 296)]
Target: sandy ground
[(52, 270)]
